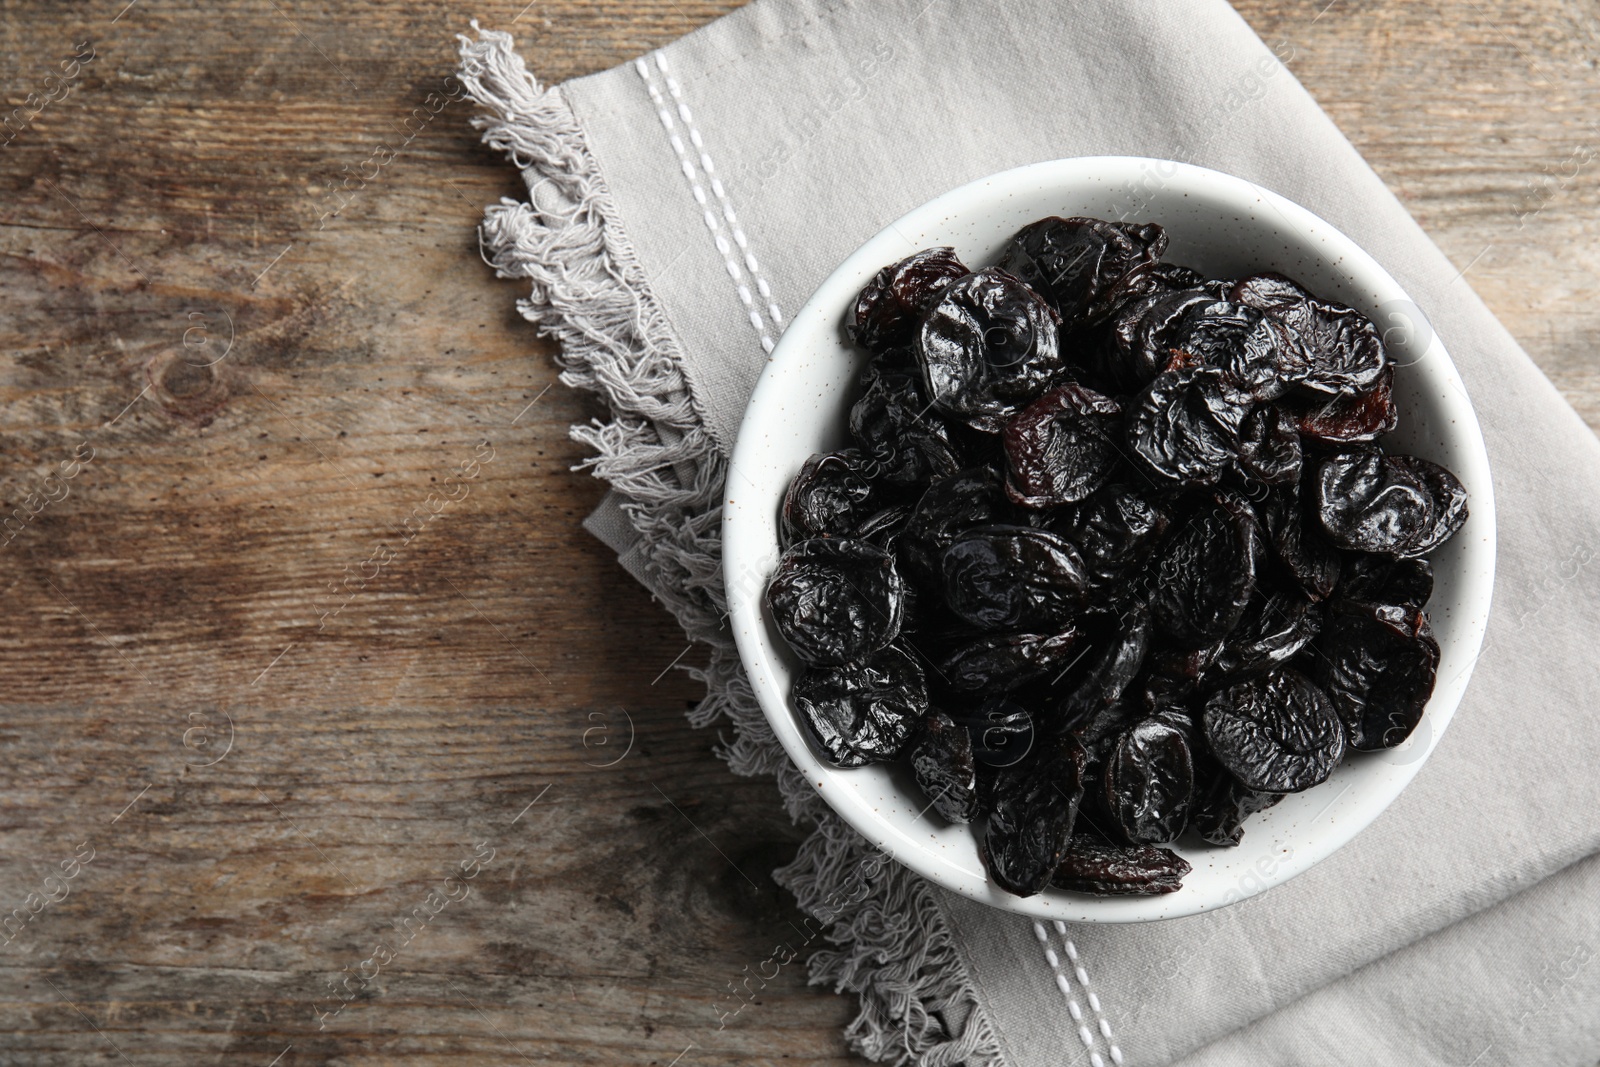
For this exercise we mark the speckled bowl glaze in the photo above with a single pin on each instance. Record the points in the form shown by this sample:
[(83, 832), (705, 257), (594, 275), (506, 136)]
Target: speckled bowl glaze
[(1225, 227)]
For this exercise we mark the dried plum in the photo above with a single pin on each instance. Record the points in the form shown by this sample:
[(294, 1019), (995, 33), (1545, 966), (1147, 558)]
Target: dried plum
[(1206, 575), (1277, 734), (1321, 345), (941, 761), (1395, 505), (1348, 418), (948, 508), (1235, 338), (1222, 806), (835, 601), (832, 496), (1144, 332), (1113, 529), (1273, 630), (1149, 783), (1035, 806), (1379, 667), (988, 348), (1299, 543), (1269, 447), (1007, 577), (1106, 680), (1002, 732), (1090, 866), (1185, 426), (1077, 263), (1062, 447), (862, 712), (1384, 580), (893, 302), (1005, 661)]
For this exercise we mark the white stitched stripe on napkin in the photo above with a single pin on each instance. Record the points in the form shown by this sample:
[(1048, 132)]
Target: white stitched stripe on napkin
[(688, 161), (1085, 1034)]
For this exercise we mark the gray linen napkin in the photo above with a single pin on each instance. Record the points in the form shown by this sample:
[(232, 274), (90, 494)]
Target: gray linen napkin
[(682, 205)]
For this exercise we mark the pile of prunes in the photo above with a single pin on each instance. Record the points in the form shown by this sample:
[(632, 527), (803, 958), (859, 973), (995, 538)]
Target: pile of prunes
[(1116, 555)]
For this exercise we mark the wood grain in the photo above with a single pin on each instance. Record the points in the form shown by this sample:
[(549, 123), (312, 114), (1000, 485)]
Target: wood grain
[(277, 715)]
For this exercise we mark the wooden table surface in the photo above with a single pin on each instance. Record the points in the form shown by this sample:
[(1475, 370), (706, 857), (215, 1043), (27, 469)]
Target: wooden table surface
[(304, 624)]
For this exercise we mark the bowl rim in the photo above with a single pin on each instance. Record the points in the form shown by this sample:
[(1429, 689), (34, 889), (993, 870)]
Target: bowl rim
[(740, 536)]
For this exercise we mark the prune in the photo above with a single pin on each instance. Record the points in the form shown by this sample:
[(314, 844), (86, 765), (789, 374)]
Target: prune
[(941, 761), (1149, 783), (1090, 866), (1002, 732), (1062, 447), (889, 422), (894, 301), (1269, 447), (1111, 672), (1112, 530), (1352, 417), (1222, 806), (948, 508), (1395, 505), (1077, 263), (1143, 334), (1321, 345), (1034, 806), (1005, 661), (1379, 668), (1278, 733), (1273, 630), (1206, 575), (835, 600), (1268, 291), (863, 712), (988, 348), (832, 496), (1006, 577), (1407, 583), (1185, 426), (1299, 542), (1235, 338)]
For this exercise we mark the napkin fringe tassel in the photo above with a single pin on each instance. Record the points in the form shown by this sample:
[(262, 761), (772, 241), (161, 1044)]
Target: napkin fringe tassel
[(886, 937)]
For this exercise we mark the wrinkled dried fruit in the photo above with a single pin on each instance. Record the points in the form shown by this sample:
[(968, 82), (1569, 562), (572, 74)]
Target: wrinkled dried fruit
[(832, 496), (1321, 345), (1091, 866), (942, 763), (1149, 783), (1277, 733), (1062, 447), (863, 712), (1002, 732), (1076, 263), (1351, 417), (1379, 668), (948, 508), (894, 301), (1185, 426), (836, 601), (1010, 577), (989, 348), (1207, 574), (1005, 661), (1035, 805), (1396, 505), (1223, 805)]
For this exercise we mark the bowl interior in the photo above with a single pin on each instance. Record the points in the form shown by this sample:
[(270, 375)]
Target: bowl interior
[(1224, 227)]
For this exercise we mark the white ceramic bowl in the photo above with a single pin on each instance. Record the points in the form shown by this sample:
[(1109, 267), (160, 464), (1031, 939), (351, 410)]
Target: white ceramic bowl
[(1225, 227)]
